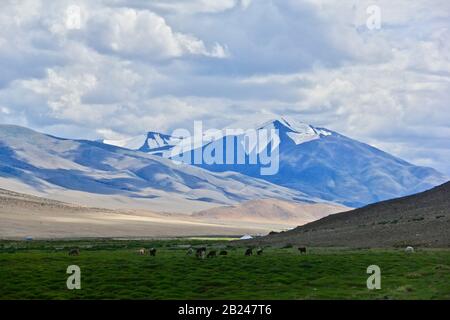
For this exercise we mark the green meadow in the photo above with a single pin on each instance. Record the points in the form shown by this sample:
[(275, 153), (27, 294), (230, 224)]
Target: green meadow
[(113, 269)]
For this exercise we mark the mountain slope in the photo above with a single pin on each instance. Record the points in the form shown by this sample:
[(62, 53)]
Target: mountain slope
[(52, 166), (272, 211), (419, 220), (324, 164), (153, 143)]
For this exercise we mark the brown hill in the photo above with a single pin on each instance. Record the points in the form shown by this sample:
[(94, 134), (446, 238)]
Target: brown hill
[(418, 220), (272, 211)]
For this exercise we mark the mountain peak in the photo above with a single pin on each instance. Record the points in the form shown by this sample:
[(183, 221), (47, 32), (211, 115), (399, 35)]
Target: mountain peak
[(158, 142), (286, 124), (298, 132), (152, 142)]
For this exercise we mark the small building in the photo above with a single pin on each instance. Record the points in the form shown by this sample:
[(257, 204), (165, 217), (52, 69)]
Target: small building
[(246, 237)]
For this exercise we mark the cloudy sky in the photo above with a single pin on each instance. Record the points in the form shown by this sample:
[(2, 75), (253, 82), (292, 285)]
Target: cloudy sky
[(113, 69)]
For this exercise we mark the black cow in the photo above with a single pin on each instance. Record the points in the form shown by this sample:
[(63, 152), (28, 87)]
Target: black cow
[(152, 252), (249, 252), (302, 250), (200, 253), (212, 254), (74, 252)]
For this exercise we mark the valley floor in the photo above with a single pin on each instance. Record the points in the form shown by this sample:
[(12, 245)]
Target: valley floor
[(112, 269), (111, 224), (23, 216)]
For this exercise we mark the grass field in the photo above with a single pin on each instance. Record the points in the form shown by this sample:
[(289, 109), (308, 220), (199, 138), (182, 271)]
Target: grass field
[(113, 270)]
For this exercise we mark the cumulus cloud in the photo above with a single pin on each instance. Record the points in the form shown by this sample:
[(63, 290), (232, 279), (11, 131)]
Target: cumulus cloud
[(184, 7), (194, 6), (134, 66), (143, 33)]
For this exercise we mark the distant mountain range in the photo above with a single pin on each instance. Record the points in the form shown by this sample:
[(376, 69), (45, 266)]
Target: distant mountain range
[(152, 143), (421, 220), (97, 174), (314, 161), (319, 170)]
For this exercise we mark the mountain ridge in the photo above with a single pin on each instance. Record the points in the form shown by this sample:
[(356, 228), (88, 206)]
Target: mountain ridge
[(325, 164), (422, 219), (53, 165)]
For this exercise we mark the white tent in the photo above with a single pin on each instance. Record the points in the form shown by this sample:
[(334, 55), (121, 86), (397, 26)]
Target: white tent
[(246, 237)]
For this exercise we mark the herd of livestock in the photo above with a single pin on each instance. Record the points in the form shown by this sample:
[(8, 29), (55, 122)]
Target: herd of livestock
[(200, 253)]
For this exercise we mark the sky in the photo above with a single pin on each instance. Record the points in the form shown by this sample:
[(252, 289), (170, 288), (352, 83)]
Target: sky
[(377, 71)]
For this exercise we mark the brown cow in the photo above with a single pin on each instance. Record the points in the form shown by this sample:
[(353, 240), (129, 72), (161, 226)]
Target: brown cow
[(223, 253), (212, 254)]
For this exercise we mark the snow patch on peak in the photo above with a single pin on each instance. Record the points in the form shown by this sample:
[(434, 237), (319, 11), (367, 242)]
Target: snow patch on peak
[(151, 142), (295, 125), (323, 132), (286, 124), (133, 143), (156, 141), (300, 138), (297, 131)]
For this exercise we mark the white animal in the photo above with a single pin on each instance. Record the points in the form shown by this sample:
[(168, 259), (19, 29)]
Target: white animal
[(409, 250), (142, 252)]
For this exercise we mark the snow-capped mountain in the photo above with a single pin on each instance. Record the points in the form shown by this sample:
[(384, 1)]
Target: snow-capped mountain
[(325, 164), (64, 169), (152, 143), (298, 132)]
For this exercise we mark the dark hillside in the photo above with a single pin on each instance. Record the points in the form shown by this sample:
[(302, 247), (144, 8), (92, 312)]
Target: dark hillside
[(420, 220)]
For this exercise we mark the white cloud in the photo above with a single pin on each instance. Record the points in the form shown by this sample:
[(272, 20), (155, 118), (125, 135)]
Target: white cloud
[(195, 6), (143, 33), (139, 65)]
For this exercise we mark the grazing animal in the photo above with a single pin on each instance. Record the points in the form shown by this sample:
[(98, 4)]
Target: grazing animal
[(259, 251), (152, 252), (302, 250), (212, 254), (74, 252), (223, 253), (249, 252), (190, 252), (141, 252), (409, 250), (200, 253)]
